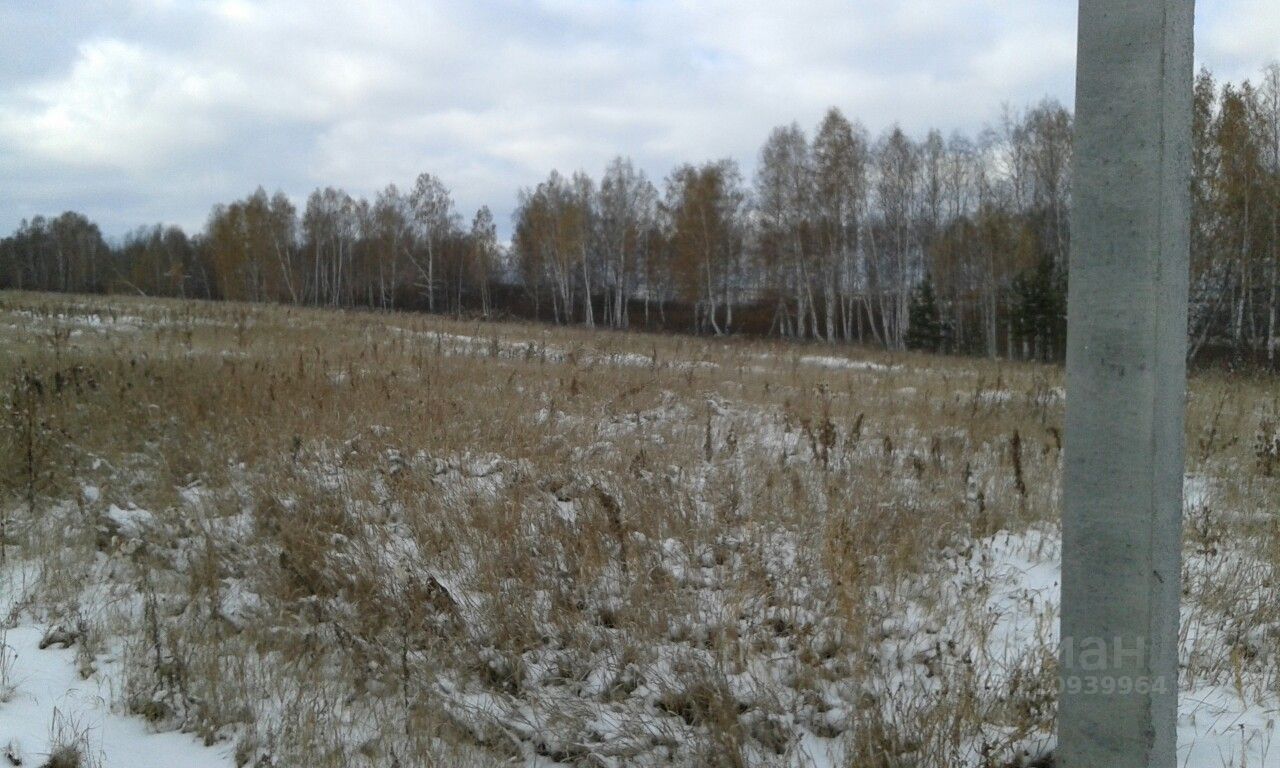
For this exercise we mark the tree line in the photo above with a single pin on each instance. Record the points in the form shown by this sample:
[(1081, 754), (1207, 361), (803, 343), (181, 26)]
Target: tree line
[(955, 244)]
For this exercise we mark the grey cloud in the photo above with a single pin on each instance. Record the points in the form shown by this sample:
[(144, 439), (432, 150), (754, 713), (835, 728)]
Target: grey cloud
[(138, 111)]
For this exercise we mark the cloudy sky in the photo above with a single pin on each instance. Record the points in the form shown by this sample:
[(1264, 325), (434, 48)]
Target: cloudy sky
[(144, 111)]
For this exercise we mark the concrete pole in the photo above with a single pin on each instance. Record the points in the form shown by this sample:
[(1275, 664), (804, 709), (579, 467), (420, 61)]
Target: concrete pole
[(1126, 382)]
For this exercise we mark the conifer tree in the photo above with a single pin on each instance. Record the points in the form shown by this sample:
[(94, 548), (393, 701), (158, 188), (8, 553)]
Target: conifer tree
[(924, 319)]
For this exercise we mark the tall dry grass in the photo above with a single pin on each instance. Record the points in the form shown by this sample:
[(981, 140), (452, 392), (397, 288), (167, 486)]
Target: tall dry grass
[(354, 539)]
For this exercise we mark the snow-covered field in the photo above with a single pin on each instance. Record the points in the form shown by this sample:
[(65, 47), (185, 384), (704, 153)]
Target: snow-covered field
[(280, 537)]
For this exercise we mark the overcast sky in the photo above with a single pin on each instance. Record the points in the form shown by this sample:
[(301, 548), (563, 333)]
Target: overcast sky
[(145, 111)]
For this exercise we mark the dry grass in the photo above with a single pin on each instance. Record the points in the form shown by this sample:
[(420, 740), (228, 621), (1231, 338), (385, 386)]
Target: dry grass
[(69, 744), (353, 539)]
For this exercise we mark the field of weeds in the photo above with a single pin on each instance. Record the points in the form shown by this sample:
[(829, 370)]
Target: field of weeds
[(318, 538)]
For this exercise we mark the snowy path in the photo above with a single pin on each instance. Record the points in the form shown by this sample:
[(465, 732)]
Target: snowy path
[(46, 695)]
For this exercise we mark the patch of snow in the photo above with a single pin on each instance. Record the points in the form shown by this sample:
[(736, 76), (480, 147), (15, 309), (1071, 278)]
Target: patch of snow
[(47, 701), (1196, 491), (128, 523), (1217, 725), (827, 361)]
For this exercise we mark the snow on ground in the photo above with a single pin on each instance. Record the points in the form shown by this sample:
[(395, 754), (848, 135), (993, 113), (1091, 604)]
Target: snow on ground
[(1216, 729), (826, 361), (43, 701), (459, 344), (1222, 723), (45, 704), (1218, 725)]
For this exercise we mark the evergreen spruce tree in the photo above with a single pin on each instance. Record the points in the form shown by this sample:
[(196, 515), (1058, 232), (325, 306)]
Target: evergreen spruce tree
[(924, 328), (1039, 312)]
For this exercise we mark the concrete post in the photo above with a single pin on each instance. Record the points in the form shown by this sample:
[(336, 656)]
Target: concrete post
[(1126, 381)]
